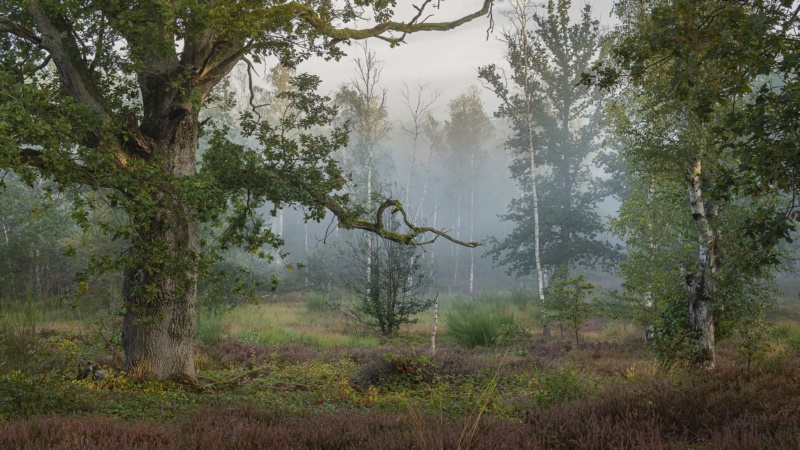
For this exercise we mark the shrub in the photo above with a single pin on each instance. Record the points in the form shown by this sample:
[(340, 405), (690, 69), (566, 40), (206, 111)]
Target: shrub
[(567, 296), (561, 385), (397, 370), (474, 325), (409, 369), (387, 283)]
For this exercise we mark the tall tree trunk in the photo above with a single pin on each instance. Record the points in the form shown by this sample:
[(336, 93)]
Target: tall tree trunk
[(160, 320), (536, 247), (433, 244), (369, 206), (472, 224), (521, 13), (305, 247), (701, 283), (458, 236)]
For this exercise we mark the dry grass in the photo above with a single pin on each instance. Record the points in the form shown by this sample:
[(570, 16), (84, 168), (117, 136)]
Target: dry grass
[(629, 399)]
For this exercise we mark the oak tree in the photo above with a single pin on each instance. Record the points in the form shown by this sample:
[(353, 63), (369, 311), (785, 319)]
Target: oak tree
[(106, 95)]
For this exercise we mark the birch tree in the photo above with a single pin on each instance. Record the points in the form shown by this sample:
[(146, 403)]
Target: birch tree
[(674, 125), (467, 131), (363, 101), (556, 131)]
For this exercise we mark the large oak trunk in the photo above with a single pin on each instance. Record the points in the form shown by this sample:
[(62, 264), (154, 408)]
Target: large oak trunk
[(160, 286), (160, 320)]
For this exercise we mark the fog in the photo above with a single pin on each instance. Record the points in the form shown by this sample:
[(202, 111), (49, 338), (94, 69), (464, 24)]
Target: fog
[(436, 185), (447, 65)]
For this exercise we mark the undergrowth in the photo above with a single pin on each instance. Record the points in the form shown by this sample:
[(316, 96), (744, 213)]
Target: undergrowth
[(264, 393)]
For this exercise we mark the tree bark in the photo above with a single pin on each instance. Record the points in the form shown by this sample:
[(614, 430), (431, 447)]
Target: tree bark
[(701, 283), (160, 286), (536, 245)]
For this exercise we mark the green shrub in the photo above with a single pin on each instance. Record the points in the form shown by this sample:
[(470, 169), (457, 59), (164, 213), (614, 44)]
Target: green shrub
[(474, 325), (407, 370), (512, 335), (561, 385)]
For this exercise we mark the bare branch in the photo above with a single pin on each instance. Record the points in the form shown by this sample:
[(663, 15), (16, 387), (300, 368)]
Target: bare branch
[(250, 71), (377, 227), (310, 17)]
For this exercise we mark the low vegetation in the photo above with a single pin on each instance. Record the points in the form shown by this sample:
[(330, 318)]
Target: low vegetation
[(290, 373)]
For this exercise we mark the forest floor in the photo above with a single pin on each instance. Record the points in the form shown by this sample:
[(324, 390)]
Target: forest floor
[(290, 373)]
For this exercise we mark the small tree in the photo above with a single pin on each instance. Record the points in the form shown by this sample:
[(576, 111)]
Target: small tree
[(567, 298), (394, 291)]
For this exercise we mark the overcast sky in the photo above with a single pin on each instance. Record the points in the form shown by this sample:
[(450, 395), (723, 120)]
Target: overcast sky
[(447, 60)]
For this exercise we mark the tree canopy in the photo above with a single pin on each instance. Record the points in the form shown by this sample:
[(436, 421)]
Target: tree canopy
[(106, 96)]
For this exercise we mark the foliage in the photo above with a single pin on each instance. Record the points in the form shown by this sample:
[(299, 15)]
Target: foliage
[(513, 335), (107, 97), (36, 232), (568, 299), (547, 63), (387, 282), (25, 395), (473, 324), (565, 384), (406, 370), (672, 126), (750, 45), (751, 345)]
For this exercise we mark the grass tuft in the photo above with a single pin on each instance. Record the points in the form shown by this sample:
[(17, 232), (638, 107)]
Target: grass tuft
[(475, 325)]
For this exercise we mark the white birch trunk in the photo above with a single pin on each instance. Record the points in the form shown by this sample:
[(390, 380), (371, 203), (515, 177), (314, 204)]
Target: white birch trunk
[(435, 323), (536, 245), (701, 283), (456, 247), (472, 224), (649, 329), (520, 13), (369, 205), (433, 245), (305, 226)]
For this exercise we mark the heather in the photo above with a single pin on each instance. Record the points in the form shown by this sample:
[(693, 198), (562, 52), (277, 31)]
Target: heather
[(314, 390)]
